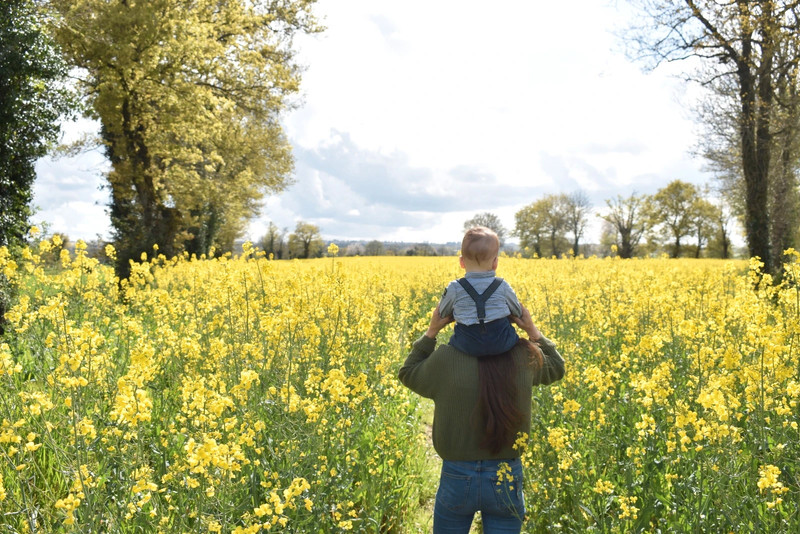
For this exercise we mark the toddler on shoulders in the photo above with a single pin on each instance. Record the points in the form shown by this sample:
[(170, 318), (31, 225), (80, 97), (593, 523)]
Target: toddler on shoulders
[(480, 303)]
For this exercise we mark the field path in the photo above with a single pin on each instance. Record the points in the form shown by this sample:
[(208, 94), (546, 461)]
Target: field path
[(423, 518)]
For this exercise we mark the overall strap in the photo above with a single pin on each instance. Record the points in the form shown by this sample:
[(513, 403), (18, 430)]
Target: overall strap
[(480, 300)]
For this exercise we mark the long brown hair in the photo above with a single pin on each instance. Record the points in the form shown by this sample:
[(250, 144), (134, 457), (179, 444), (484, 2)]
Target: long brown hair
[(498, 414)]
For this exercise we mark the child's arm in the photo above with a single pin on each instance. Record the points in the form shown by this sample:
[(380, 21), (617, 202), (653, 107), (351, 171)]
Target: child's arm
[(512, 301), (448, 300), (414, 372)]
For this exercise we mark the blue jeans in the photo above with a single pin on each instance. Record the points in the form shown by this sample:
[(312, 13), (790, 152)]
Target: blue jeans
[(485, 485)]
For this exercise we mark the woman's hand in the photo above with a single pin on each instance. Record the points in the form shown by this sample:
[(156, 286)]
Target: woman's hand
[(526, 323), (437, 323)]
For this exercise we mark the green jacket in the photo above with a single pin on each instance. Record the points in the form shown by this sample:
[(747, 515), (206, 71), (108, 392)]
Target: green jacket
[(450, 378)]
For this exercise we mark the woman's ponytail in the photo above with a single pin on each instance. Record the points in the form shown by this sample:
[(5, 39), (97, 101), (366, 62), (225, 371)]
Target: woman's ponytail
[(498, 413)]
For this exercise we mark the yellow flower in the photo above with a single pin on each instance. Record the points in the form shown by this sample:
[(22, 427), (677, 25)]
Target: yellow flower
[(627, 508), (768, 477), (603, 487)]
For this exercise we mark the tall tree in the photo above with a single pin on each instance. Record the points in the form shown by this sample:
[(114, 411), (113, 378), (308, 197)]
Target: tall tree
[(374, 248), (189, 96), (33, 99), (627, 217), (671, 212), (489, 220), (720, 145), (720, 242), (305, 241), (576, 216), (554, 208), (751, 47), (273, 242), (530, 227), (704, 223)]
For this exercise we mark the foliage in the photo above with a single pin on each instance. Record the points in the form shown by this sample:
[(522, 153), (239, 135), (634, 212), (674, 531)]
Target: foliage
[(189, 95), (671, 213), (488, 220), (421, 249), (374, 248), (529, 227), (542, 224), (627, 218), (33, 99), (305, 241), (273, 243), (706, 222), (749, 57), (576, 216)]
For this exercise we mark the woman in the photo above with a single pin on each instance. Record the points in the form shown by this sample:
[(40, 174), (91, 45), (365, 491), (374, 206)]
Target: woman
[(481, 408)]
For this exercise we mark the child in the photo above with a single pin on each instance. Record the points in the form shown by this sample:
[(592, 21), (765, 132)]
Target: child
[(480, 303)]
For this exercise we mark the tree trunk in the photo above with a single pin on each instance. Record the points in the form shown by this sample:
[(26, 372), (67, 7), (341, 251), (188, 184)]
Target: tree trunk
[(784, 187), (755, 139), (137, 214), (676, 252), (726, 245), (784, 209)]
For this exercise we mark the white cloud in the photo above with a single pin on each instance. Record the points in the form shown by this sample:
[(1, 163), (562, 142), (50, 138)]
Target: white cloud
[(416, 115), (68, 194)]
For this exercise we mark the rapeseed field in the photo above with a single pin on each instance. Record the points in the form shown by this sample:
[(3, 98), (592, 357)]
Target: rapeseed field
[(240, 394)]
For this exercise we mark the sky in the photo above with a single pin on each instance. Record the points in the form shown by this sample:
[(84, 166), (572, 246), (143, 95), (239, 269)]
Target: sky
[(414, 116)]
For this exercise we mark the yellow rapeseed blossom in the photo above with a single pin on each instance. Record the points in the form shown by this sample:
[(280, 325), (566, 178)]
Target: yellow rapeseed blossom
[(196, 381), (7, 364), (627, 508), (768, 477), (603, 487)]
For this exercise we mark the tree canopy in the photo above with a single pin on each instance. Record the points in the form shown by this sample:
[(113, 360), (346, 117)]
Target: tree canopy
[(626, 218), (488, 220), (33, 99), (189, 96), (305, 241), (749, 56), (672, 214)]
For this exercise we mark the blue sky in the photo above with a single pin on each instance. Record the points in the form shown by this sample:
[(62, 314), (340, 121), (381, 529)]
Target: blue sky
[(417, 115)]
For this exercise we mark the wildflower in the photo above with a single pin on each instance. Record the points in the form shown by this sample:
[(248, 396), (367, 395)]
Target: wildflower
[(603, 486), (627, 508), (768, 477), (68, 504), (558, 438), (504, 473), (7, 365)]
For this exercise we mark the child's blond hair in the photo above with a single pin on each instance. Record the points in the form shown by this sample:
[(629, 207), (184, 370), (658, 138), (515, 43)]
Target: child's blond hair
[(480, 244)]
